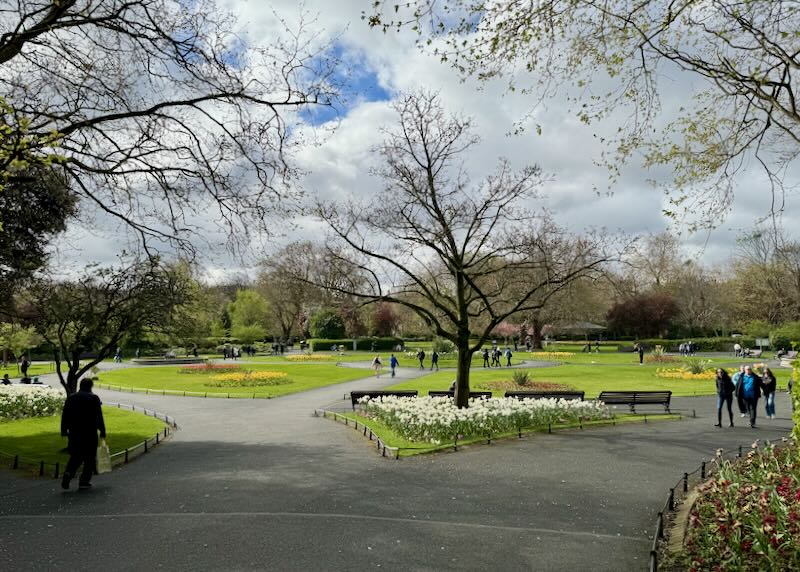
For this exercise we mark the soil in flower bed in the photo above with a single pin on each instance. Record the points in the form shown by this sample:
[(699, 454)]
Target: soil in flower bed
[(509, 385)]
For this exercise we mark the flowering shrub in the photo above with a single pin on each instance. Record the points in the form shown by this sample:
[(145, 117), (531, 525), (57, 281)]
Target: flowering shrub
[(249, 379), (437, 419), (210, 368), (748, 517), (680, 373), (19, 402), (551, 355), (310, 357)]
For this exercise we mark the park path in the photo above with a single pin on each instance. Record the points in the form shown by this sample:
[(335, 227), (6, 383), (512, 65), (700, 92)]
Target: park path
[(263, 484)]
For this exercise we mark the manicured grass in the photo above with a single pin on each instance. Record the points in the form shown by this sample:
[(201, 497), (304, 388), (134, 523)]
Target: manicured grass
[(35, 369), (39, 438), (303, 377), (591, 379), (410, 448)]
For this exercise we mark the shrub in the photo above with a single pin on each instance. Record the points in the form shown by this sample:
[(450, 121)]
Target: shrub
[(521, 377), (696, 365), (20, 402), (786, 336), (442, 346)]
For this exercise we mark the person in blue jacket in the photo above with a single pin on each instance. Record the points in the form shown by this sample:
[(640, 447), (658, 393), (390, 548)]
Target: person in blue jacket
[(749, 388)]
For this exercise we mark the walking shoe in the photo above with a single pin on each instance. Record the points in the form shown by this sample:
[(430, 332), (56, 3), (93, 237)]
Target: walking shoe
[(731, 425), (717, 425), (65, 479), (743, 415), (84, 486)]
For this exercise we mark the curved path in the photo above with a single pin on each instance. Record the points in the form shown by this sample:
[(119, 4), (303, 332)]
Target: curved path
[(262, 484)]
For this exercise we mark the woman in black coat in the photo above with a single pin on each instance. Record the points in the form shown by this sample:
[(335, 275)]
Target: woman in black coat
[(724, 395)]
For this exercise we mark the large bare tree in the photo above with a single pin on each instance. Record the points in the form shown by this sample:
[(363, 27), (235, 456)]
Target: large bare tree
[(158, 110), (616, 56), (458, 253)]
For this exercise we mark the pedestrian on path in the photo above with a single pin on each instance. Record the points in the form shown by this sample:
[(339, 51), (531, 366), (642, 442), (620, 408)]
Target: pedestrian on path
[(737, 379), (485, 355), (640, 349), (377, 365), (770, 387), (725, 390), (393, 363), (81, 419), (750, 388), (435, 360), (508, 357), (421, 358)]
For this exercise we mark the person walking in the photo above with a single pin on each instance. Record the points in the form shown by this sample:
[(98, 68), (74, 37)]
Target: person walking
[(81, 419), (393, 363), (435, 360), (640, 350), (725, 390), (24, 364), (421, 358), (750, 388), (770, 385), (485, 355), (508, 355), (496, 357), (737, 379), (377, 365)]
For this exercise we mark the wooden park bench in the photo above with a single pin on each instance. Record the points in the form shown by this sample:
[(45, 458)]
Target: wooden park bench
[(472, 394), (576, 395), (356, 395), (634, 398), (755, 353)]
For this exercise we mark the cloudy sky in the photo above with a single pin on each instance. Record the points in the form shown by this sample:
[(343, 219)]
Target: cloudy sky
[(381, 66)]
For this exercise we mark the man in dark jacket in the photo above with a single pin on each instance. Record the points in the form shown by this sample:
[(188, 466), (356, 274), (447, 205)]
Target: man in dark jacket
[(81, 420), (749, 389)]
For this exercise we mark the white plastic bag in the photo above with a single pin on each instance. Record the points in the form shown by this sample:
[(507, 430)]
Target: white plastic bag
[(103, 458)]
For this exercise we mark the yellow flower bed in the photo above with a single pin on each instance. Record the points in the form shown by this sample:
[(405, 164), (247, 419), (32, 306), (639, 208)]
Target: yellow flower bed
[(249, 379), (310, 357), (551, 355), (680, 373)]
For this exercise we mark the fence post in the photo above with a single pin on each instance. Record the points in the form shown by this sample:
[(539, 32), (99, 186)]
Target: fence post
[(686, 482), (145, 445), (580, 421), (703, 470), (16, 462), (157, 438), (549, 428), (671, 500), (660, 525), (126, 456), (57, 468), (455, 443), (740, 451), (41, 468)]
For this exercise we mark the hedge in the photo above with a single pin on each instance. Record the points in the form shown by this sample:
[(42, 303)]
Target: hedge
[(381, 344)]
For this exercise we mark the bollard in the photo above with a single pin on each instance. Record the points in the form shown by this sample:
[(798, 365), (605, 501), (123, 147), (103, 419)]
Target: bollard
[(549, 428), (145, 445), (57, 468), (41, 468), (671, 500), (16, 462), (703, 470), (686, 482), (156, 438), (126, 456), (694, 413)]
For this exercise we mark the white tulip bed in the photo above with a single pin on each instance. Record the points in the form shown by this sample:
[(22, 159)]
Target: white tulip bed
[(19, 401), (437, 420)]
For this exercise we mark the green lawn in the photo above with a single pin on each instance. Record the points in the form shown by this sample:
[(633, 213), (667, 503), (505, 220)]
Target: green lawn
[(591, 379), (39, 438), (35, 369), (410, 448), (303, 377)]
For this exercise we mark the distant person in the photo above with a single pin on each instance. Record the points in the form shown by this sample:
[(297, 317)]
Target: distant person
[(6, 381), (485, 354), (496, 357), (24, 364), (137, 353), (118, 355), (789, 387), (435, 360), (725, 389), (508, 355), (81, 419), (421, 358), (640, 351), (770, 385), (737, 379), (393, 364), (597, 346), (737, 349), (750, 388), (377, 365), (452, 387)]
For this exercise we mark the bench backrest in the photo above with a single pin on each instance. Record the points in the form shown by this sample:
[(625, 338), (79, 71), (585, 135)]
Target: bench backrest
[(645, 397), (576, 395), (756, 353), (356, 395), (435, 393)]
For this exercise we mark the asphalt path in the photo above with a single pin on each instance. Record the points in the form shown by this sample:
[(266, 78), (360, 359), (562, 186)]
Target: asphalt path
[(264, 485)]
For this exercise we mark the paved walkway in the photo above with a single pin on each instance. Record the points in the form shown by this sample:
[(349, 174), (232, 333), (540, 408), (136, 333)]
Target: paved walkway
[(262, 484)]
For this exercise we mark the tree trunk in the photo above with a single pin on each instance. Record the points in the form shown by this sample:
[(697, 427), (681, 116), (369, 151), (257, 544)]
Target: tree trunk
[(536, 339), (461, 397)]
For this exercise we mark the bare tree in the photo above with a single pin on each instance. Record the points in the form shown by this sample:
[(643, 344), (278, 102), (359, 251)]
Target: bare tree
[(156, 109), (610, 55), (451, 250)]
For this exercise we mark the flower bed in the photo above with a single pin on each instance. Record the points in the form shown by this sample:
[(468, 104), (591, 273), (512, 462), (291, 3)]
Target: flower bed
[(20, 402), (210, 368), (311, 357), (530, 386), (551, 355), (249, 379), (748, 517), (437, 419), (680, 373)]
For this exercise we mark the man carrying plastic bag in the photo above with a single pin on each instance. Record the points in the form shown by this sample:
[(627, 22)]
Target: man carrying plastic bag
[(81, 420)]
